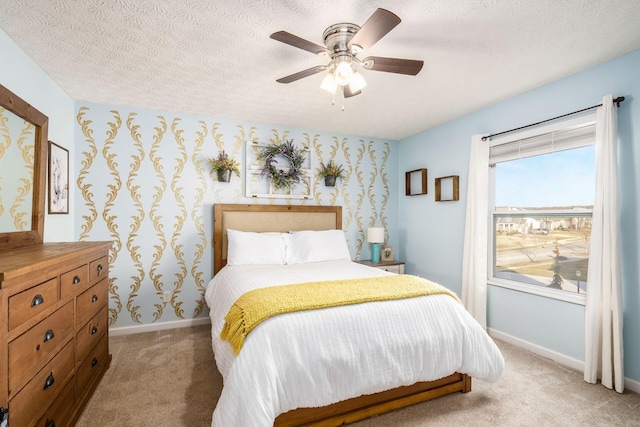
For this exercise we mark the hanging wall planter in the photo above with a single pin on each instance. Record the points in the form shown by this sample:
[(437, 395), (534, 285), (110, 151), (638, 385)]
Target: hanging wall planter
[(330, 181), (330, 172), (223, 166), (224, 175)]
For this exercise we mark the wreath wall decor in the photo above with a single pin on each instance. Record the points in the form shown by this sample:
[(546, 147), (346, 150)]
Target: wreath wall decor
[(282, 178)]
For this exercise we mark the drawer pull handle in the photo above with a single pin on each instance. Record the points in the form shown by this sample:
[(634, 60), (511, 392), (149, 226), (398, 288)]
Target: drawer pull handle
[(50, 423), (99, 268), (37, 300), (94, 298), (94, 330), (76, 280), (49, 382), (94, 362), (48, 336)]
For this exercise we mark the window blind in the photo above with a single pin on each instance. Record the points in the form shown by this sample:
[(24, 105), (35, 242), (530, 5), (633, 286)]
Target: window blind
[(549, 142)]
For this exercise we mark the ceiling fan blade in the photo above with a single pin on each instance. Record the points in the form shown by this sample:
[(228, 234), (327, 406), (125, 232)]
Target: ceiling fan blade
[(295, 41), (393, 65), (302, 74), (346, 91), (377, 26)]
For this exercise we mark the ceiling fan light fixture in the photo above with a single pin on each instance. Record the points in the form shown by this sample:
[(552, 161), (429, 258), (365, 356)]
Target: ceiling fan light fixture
[(343, 71), (342, 43), (329, 84), (357, 82)]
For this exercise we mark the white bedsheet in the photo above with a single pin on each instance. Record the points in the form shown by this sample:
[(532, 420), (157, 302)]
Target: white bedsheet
[(315, 358)]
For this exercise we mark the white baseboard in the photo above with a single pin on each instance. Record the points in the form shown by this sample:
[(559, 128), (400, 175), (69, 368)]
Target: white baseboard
[(629, 384), (539, 350), (152, 327), (632, 385)]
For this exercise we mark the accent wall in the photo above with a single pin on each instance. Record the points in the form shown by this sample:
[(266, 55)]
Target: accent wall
[(143, 181)]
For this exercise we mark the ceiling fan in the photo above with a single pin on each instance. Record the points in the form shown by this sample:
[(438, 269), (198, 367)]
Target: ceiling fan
[(343, 42)]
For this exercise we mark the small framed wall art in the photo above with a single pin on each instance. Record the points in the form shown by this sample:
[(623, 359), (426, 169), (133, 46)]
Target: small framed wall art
[(416, 182), (58, 179), (387, 253), (447, 188)]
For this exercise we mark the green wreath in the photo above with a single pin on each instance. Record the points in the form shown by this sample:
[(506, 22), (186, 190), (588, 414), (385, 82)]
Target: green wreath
[(279, 177)]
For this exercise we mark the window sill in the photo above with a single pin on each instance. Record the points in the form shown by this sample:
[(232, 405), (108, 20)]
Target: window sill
[(578, 299)]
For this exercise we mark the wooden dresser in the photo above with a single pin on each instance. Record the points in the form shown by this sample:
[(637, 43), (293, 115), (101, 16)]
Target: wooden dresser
[(54, 340)]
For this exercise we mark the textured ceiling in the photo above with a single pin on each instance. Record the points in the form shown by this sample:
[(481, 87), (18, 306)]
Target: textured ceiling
[(215, 57)]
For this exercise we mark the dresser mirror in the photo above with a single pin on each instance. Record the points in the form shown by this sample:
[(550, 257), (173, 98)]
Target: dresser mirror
[(23, 155)]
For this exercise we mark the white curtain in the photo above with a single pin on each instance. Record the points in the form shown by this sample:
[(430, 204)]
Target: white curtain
[(603, 311), (474, 258)]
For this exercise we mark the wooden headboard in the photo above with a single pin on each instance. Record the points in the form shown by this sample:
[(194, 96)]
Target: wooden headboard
[(261, 218)]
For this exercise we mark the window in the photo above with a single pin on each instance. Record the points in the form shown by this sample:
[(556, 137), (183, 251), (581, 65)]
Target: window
[(543, 185)]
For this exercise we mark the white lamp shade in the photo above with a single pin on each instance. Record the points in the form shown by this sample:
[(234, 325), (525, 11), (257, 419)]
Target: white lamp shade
[(357, 82), (343, 72), (375, 235), (329, 84)]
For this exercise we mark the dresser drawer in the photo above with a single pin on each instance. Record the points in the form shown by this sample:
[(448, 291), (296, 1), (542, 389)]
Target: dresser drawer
[(37, 345), (98, 269), (398, 269), (93, 364), (90, 302), (33, 301), (30, 403), (74, 280), (59, 414), (89, 335)]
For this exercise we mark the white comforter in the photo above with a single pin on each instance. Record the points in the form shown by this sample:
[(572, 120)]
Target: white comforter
[(315, 358)]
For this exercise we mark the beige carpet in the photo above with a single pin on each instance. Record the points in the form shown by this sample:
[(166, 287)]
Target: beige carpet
[(168, 378)]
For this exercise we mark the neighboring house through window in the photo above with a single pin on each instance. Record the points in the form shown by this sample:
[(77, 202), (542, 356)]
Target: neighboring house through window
[(542, 191)]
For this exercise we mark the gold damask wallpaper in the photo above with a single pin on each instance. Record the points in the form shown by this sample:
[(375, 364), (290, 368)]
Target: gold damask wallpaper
[(143, 181)]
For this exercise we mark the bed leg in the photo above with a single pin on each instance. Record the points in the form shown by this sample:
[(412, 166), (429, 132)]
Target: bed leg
[(466, 387)]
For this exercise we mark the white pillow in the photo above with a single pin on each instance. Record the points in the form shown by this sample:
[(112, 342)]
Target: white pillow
[(249, 248), (316, 246)]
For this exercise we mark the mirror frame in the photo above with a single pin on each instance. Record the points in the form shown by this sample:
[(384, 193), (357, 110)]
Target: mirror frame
[(22, 109)]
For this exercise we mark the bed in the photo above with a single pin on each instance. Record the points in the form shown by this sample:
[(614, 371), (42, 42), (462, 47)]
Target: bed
[(335, 365)]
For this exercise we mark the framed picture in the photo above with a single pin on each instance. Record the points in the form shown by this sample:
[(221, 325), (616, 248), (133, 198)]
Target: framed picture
[(387, 253), (58, 179)]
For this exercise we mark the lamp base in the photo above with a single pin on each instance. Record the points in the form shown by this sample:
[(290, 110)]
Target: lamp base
[(375, 252)]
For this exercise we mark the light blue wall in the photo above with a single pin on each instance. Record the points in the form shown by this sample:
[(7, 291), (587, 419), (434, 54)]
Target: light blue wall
[(432, 233)]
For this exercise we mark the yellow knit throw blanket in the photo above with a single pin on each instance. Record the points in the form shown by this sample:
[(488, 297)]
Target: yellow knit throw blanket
[(260, 304)]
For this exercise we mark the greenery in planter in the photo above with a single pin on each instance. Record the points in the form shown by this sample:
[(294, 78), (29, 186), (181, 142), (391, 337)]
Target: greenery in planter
[(223, 162), (331, 169)]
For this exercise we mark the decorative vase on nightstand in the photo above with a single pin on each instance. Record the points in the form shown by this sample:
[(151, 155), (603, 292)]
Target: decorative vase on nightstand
[(375, 236), (375, 252)]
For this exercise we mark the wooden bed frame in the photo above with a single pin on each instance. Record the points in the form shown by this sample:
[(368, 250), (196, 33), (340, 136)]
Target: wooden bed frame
[(261, 218)]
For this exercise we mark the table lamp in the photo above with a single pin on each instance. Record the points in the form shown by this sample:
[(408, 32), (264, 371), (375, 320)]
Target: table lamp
[(375, 236)]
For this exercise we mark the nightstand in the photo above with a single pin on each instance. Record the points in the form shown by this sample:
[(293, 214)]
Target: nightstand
[(391, 266)]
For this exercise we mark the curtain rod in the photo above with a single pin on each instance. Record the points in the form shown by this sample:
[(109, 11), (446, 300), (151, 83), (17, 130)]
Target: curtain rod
[(616, 101)]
